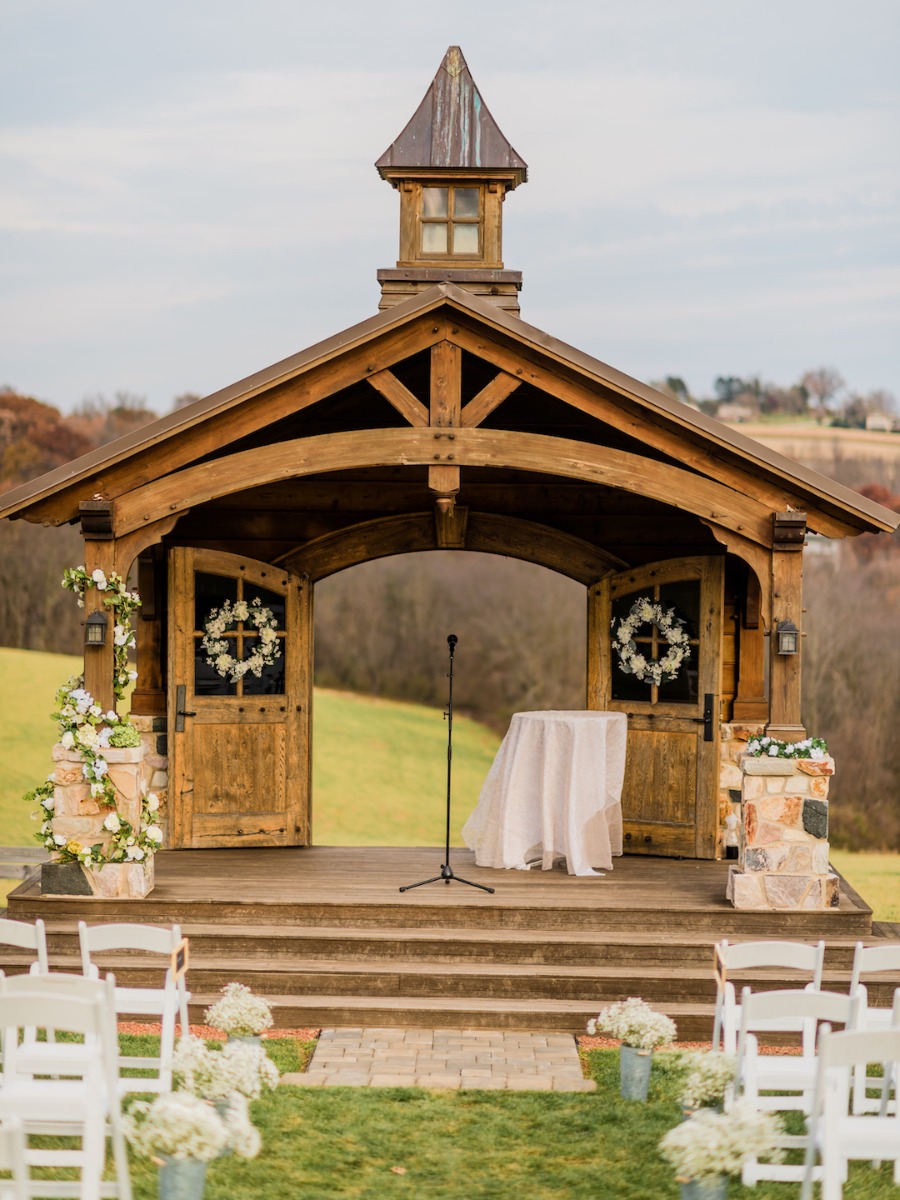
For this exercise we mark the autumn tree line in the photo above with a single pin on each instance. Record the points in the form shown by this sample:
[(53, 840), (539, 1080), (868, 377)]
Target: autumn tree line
[(381, 628)]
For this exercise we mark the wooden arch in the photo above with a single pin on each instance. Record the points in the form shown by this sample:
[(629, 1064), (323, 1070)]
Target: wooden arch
[(484, 532), (449, 447)]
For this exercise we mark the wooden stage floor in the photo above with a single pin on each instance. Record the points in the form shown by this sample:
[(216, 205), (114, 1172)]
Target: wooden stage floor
[(325, 883)]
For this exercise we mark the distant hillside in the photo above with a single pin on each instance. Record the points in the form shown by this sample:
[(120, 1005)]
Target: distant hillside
[(853, 457)]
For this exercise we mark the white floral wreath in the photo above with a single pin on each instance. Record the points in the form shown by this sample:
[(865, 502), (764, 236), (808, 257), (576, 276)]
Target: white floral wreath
[(632, 662), (216, 645)]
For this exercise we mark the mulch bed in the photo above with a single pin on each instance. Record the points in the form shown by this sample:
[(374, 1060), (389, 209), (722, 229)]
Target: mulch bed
[(207, 1031)]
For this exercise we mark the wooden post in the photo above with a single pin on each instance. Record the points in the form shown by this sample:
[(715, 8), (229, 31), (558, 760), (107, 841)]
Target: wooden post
[(750, 703), (787, 605), (98, 661)]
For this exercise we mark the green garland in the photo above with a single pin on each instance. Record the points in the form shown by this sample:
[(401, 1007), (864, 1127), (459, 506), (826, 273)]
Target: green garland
[(123, 603)]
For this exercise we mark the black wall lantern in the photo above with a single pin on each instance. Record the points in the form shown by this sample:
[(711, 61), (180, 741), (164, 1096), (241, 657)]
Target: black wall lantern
[(95, 629), (788, 637)]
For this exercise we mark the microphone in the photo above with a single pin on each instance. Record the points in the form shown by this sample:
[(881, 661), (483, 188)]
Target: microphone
[(452, 639)]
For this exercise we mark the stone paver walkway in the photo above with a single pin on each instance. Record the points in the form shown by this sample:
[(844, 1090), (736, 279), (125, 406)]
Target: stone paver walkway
[(444, 1058)]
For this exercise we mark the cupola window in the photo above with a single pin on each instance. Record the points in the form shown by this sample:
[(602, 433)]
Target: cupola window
[(451, 221)]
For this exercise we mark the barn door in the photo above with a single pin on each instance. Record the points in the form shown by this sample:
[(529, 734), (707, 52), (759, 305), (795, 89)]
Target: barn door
[(239, 750), (669, 799)]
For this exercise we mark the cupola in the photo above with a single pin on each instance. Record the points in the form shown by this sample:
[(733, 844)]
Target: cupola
[(452, 167)]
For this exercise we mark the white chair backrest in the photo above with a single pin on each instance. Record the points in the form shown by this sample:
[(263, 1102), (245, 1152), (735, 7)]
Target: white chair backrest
[(870, 959), (26, 936), (781, 1009), (59, 1002), (149, 939), (797, 956)]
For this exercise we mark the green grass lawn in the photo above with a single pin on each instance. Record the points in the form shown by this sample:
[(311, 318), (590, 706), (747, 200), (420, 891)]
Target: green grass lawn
[(374, 1143)]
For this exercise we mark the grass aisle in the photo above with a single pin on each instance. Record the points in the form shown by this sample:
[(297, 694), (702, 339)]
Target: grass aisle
[(375, 1144)]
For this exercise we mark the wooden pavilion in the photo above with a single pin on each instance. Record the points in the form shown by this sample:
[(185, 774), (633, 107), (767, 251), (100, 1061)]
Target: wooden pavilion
[(446, 422)]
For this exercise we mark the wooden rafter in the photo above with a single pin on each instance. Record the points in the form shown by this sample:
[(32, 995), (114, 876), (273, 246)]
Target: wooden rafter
[(395, 391), (490, 397)]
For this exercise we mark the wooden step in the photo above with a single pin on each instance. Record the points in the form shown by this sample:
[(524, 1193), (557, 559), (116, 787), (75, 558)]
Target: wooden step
[(336, 1011)]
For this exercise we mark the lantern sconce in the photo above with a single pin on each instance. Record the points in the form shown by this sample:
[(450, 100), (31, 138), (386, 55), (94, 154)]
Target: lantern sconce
[(95, 628), (788, 637)]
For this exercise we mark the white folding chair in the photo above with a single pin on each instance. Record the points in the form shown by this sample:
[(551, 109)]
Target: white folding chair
[(748, 956), (784, 1082), (833, 1131), (161, 1002), (12, 1159), (26, 936), (867, 961), (78, 1097)]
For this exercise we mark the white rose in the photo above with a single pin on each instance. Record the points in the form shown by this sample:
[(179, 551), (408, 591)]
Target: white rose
[(67, 739), (59, 839), (99, 579), (153, 802), (154, 833), (112, 823), (49, 803)]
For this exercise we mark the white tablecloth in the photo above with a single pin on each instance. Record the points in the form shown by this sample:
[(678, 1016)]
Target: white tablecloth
[(554, 791)]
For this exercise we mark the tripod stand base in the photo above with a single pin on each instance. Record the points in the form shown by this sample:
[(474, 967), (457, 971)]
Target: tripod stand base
[(447, 876)]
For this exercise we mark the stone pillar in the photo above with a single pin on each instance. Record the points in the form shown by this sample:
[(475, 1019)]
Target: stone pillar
[(78, 816), (783, 856)]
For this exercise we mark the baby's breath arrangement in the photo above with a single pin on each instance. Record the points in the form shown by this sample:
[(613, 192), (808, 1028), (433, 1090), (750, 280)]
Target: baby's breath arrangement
[(815, 748), (707, 1079), (177, 1125), (635, 1024), (215, 1074), (708, 1143), (239, 1013)]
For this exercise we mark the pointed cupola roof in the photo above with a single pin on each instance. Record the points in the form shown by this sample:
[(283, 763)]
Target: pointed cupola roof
[(452, 129)]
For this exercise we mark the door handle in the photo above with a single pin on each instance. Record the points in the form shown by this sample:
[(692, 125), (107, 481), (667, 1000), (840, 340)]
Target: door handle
[(180, 711), (709, 714)]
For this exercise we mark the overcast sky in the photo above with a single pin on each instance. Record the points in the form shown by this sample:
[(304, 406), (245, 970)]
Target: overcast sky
[(187, 191)]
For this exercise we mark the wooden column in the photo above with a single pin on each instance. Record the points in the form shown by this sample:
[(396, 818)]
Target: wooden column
[(787, 605), (750, 703), (149, 698), (98, 661)]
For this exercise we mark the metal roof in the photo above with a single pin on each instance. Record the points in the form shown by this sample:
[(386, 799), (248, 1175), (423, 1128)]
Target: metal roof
[(452, 129)]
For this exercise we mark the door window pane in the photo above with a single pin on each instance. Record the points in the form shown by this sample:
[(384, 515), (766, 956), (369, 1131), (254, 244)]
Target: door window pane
[(271, 681), (684, 597), (211, 591)]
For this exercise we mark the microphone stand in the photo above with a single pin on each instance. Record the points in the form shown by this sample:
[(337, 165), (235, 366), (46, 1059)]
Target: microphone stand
[(446, 870)]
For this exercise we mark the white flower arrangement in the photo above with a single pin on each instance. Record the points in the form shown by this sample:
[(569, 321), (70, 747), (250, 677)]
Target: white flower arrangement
[(632, 662), (215, 1074), (85, 728), (177, 1125), (635, 1024), (708, 1143), (812, 747), (239, 1013), (708, 1078), (217, 647), (181, 1125)]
